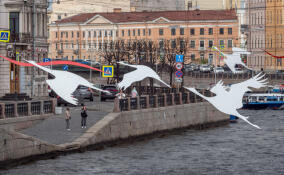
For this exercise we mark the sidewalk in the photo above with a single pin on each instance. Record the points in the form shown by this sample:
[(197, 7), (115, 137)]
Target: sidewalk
[(52, 130)]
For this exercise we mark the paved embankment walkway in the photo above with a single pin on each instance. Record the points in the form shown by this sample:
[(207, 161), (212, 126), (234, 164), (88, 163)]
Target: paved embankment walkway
[(53, 130)]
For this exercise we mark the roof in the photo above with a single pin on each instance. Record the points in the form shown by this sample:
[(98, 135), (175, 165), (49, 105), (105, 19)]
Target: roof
[(126, 17)]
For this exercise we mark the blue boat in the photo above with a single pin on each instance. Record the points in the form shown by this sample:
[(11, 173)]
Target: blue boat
[(263, 101)]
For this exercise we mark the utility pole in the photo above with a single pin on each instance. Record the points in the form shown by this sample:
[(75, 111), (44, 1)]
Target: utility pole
[(33, 52)]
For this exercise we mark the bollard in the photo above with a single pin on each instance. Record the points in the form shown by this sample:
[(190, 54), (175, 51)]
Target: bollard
[(29, 108), (147, 102), (173, 99), (116, 105), (3, 110), (138, 103), (165, 100), (15, 109), (129, 104), (54, 104), (156, 101), (41, 107), (180, 98)]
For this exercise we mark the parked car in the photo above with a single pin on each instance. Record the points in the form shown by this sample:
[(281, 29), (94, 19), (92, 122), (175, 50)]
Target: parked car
[(239, 71), (204, 68), (80, 93), (113, 91), (218, 70)]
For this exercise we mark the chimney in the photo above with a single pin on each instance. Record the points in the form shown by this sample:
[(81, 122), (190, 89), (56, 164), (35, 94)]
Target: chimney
[(117, 10)]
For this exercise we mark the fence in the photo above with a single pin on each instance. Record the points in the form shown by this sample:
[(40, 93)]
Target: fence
[(156, 101), (230, 75), (26, 108)]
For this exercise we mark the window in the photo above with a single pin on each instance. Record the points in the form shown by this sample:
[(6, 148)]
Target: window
[(210, 43), (89, 34), (173, 31), (192, 56), (138, 32), (173, 44), (144, 32), (201, 31), (111, 33), (230, 31), (95, 34), (192, 32), (83, 34), (72, 34), (122, 32), (128, 32), (192, 44), (105, 33), (181, 31), (161, 32), (221, 31), (161, 45), (182, 44), (78, 34), (134, 32), (149, 32), (61, 34), (59, 17), (100, 33), (56, 34), (222, 43), (201, 44), (230, 43), (66, 33), (210, 32)]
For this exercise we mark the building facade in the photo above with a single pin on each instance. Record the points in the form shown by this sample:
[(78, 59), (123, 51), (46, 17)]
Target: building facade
[(82, 36), (274, 34), (154, 5), (255, 30), (17, 17)]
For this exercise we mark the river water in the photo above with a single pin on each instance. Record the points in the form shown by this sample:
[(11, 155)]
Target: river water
[(232, 149)]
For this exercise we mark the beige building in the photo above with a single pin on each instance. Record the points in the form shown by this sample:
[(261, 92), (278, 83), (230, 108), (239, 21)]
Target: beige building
[(82, 36), (61, 9)]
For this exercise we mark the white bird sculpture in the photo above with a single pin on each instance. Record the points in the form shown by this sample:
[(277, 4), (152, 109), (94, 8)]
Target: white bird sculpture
[(65, 83), (228, 100), (235, 58), (139, 74)]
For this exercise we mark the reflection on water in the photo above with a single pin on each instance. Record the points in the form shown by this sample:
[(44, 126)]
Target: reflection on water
[(233, 149)]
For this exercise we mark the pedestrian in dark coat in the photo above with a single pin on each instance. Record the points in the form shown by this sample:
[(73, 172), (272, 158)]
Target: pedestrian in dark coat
[(84, 116)]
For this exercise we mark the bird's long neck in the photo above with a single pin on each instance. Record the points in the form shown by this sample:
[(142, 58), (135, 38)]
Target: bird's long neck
[(40, 67), (125, 64)]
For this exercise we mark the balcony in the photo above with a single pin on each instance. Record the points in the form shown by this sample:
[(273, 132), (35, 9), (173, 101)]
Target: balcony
[(201, 48), (60, 52), (20, 38)]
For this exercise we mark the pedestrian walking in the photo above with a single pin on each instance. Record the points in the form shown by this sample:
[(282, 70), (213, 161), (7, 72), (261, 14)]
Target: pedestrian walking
[(120, 96), (67, 118), (84, 116)]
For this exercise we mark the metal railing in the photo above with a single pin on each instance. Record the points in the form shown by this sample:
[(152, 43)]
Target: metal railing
[(230, 75), (26, 108), (163, 100)]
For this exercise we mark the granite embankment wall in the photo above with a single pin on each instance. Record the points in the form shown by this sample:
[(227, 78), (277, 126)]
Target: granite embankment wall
[(124, 125), (17, 146)]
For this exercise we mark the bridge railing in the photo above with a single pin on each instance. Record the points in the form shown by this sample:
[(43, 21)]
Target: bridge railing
[(156, 101), (26, 108)]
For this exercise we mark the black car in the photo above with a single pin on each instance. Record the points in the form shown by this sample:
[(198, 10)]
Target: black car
[(80, 93), (113, 91)]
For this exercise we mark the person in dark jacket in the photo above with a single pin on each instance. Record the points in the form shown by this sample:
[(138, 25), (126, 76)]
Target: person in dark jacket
[(84, 116)]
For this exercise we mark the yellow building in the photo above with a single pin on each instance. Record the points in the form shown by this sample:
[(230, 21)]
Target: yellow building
[(274, 34), (82, 36)]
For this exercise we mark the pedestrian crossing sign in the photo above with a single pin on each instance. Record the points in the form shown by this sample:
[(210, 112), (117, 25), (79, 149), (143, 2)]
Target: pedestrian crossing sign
[(108, 71), (4, 36)]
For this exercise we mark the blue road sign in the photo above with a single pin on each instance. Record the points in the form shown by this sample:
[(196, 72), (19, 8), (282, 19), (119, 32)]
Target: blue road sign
[(108, 71), (46, 60), (65, 67), (179, 58), (179, 74), (4, 36)]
